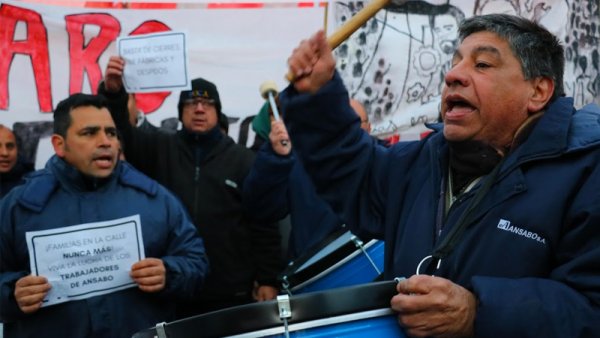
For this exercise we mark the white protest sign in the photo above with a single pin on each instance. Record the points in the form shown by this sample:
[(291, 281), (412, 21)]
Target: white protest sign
[(154, 62), (86, 260)]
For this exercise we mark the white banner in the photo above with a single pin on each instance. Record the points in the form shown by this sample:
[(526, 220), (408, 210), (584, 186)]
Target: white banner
[(394, 63), (50, 51)]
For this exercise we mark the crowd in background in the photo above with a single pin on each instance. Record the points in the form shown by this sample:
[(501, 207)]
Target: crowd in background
[(500, 201)]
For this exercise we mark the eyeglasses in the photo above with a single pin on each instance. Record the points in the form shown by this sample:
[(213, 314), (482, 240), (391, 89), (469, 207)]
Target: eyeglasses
[(194, 102)]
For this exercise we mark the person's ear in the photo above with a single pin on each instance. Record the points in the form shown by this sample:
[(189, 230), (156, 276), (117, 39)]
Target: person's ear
[(58, 142), (543, 88)]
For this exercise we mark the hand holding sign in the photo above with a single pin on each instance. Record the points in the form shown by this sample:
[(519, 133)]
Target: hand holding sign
[(113, 77), (30, 291), (149, 274)]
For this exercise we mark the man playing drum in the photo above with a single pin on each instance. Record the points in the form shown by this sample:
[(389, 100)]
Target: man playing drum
[(493, 218)]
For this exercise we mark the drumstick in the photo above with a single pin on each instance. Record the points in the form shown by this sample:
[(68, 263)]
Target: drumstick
[(350, 26), (268, 90)]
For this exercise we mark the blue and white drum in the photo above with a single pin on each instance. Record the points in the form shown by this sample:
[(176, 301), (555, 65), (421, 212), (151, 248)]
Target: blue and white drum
[(341, 259), (355, 311)]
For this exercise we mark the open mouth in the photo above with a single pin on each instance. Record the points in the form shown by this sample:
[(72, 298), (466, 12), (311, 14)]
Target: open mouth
[(458, 106), (104, 161)]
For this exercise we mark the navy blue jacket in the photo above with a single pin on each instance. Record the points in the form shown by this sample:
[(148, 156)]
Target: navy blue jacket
[(58, 196), (532, 254), (278, 185)]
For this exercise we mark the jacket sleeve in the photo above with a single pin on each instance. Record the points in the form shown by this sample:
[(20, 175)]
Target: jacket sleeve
[(342, 160), (186, 261), (9, 272), (139, 146), (564, 304), (267, 252), (265, 238), (266, 187)]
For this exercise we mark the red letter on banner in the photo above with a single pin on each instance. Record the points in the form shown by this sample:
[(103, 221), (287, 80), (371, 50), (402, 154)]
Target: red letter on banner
[(36, 46), (84, 56)]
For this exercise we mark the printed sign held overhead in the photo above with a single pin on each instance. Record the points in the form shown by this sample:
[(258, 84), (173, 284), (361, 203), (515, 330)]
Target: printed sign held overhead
[(154, 62)]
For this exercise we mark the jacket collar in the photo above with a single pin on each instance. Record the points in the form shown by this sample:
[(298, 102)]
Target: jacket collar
[(560, 130), (210, 143), (40, 188), (71, 178), (207, 139)]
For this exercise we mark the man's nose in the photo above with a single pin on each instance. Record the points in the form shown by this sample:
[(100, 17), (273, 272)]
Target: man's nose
[(104, 139), (457, 75), (200, 107)]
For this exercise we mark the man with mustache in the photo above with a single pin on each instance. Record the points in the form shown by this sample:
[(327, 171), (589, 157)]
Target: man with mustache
[(84, 183), (493, 218)]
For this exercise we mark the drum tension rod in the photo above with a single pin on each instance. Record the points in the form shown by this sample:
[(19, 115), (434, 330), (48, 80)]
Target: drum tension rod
[(359, 244), (285, 311), (285, 285)]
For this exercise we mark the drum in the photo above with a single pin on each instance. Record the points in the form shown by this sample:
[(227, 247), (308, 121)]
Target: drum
[(341, 259), (354, 311)]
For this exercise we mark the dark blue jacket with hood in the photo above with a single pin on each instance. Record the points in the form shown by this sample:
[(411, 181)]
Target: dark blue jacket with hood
[(59, 196)]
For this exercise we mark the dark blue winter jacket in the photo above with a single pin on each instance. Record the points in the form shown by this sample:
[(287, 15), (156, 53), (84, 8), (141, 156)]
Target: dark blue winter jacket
[(531, 255), (59, 196), (278, 185)]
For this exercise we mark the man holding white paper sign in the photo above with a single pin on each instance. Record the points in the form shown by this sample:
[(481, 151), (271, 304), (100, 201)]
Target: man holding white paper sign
[(87, 221)]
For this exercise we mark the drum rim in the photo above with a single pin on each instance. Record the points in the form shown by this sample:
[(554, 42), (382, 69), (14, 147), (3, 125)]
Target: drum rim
[(305, 307), (347, 318)]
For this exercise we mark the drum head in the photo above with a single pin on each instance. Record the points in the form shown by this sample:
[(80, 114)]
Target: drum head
[(334, 248)]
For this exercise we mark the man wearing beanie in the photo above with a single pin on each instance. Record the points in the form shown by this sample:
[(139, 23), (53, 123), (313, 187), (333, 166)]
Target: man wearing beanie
[(206, 170)]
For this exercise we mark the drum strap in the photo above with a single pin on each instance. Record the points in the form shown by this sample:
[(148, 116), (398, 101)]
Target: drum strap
[(466, 218)]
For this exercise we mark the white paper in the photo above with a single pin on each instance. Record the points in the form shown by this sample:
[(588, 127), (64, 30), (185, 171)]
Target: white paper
[(86, 260), (154, 62)]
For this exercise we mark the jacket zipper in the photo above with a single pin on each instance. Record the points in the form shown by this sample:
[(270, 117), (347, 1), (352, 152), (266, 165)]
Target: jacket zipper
[(196, 182)]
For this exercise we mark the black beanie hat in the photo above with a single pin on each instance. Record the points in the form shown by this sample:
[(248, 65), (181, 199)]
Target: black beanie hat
[(202, 88)]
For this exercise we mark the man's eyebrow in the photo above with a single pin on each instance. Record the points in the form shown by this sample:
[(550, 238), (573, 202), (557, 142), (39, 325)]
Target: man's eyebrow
[(479, 50), (90, 129), (487, 49)]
